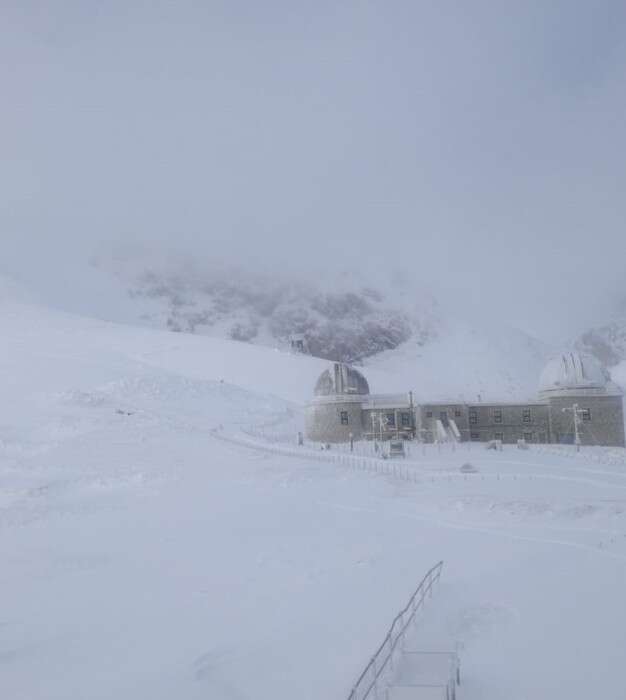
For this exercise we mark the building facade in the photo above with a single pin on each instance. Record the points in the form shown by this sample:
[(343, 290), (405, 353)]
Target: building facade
[(576, 402)]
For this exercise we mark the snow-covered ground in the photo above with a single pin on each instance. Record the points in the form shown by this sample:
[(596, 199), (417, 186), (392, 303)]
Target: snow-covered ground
[(145, 556), (439, 353)]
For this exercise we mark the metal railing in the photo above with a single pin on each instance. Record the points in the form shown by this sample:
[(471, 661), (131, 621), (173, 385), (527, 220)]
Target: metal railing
[(382, 661)]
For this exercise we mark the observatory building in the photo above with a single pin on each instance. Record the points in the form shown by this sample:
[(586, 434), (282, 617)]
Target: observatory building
[(576, 401)]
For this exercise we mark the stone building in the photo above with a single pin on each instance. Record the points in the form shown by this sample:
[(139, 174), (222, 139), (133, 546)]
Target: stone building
[(343, 408), (576, 400)]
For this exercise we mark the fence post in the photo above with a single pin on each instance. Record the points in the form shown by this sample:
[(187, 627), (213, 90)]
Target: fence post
[(375, 677)]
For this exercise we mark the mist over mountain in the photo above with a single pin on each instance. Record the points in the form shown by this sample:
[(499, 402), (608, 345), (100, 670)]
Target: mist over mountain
[(338, 317), (391, 325), (606, 339)]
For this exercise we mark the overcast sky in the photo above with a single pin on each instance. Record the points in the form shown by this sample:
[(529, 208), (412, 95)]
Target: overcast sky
[(480, 145)]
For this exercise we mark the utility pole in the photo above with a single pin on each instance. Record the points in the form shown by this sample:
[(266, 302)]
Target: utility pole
[(373, 416), (576, 413)]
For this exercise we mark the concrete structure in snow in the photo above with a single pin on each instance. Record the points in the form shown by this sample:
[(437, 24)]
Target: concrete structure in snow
[(576, 402)]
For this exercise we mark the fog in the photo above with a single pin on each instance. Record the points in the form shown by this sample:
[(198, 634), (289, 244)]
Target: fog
[(477, 148)]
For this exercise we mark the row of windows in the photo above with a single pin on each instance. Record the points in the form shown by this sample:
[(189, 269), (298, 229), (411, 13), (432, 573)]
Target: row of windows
[(390, 419), (444, 414), (527, 415), (405, 418)]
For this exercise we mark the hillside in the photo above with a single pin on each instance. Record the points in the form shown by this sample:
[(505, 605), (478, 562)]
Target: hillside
[(404, 340), (342, 319), (147, 552)]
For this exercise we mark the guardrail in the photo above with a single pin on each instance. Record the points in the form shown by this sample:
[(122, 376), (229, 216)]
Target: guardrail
[(382, 661), (612, 456)]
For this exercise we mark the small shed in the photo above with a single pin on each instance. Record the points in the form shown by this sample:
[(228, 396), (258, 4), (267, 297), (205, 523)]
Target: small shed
[(297, 342)]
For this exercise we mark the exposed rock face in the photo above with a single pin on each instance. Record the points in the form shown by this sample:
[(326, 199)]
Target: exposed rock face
[(344, 326), (607, 343)]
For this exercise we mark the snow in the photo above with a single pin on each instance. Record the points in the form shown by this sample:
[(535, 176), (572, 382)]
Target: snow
[(463, 361), (572, 370), (145, 557), (618, 375)]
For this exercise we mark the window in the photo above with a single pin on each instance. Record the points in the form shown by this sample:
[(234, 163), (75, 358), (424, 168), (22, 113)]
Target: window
[(405, 420), (528, 437), (473, 417), (443, 415), (391, 419), (497, 415), (457, 412), (475, 436), (586, 414), (526, 415), (498, 436), (543, 437), (344, 418), (429, 414)]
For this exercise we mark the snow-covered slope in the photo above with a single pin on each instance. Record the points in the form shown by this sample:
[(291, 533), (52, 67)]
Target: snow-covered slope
[(143, 557), (463, 362), (343, 319), (403, 338), (58, 346)]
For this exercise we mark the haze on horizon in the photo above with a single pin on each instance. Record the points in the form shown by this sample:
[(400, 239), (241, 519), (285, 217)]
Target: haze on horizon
[(478, 150)]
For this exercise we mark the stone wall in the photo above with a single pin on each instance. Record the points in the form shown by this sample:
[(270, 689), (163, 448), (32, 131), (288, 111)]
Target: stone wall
[(544, 422), (605, 427), (509, 422), (323, 420)]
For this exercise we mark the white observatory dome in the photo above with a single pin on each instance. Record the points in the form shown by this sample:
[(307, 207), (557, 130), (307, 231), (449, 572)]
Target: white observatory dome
[(571, 373)]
